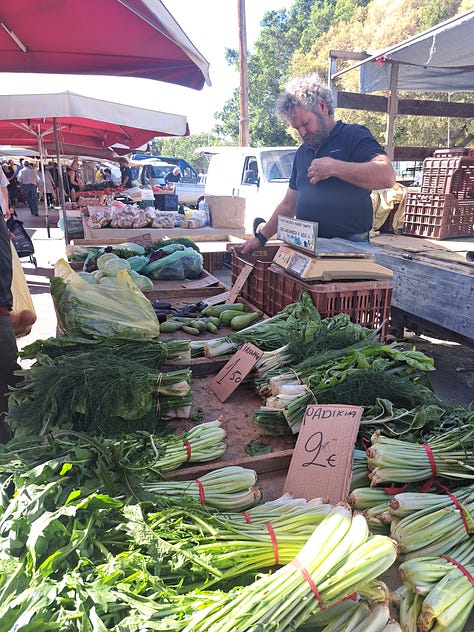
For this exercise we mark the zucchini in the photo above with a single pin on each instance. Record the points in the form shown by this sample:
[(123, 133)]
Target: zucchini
[(211, 327), (242, 321), (169, 327), (191, 330), (214, 320), (198, 324), (228, 314), (215, 310)]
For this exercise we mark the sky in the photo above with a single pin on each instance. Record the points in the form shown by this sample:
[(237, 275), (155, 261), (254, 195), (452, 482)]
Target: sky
[(211, 25)]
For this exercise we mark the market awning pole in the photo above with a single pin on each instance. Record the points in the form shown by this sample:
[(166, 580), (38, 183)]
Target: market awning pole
[(60, 178), (43, 180)]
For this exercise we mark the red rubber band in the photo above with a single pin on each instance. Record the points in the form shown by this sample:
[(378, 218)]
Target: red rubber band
[(246, 515), (462, 568), (365, 443), (456, 503), (396, 490), (295, 562), (431, 458), (274, 542), (201, 491), (187, 445)]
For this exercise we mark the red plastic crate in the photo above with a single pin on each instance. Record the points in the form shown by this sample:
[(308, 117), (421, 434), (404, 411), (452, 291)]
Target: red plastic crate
[(438, 216), (368, 303), (255, 288), (453, 175), (452, 152)]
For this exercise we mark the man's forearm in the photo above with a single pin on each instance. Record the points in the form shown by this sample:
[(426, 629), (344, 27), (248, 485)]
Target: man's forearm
[(375, 174), (369, 175)]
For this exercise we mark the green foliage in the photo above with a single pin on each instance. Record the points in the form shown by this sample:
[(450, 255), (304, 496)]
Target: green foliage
[(185, 146), (297, 41)]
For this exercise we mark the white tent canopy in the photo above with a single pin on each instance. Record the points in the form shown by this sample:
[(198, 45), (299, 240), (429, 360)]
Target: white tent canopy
[(10, 150), (440, 59)]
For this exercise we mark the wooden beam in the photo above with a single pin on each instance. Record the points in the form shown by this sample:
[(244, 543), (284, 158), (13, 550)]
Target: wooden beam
[(413, 153), (416, 107), (357, 101), (344, 54)]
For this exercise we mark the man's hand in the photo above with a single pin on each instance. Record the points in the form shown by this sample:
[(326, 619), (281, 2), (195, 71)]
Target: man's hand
[(251, 245), (320, 169)]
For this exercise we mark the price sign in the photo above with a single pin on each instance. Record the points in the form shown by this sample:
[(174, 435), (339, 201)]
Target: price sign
[(142, 240), (321, 465), (235, 370)]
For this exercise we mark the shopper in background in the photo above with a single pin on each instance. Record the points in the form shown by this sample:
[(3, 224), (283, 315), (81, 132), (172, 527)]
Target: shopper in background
[(74, 180), (28, 178), (126, 172), (19, 167), (48, 185), (173, 176), (334, 170), (108, 177), (8, 347), (9, 172)]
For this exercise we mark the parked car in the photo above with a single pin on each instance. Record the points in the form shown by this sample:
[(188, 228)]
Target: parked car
[(259, 175), (153, 170)]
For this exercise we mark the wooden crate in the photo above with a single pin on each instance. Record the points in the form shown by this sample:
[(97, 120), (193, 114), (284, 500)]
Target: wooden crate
[(187, 291)]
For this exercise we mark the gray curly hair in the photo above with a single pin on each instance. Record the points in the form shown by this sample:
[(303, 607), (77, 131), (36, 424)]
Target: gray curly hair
[(304, 92)]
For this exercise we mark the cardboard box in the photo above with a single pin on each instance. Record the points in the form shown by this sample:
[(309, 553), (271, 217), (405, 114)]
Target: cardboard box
[(226, 211)]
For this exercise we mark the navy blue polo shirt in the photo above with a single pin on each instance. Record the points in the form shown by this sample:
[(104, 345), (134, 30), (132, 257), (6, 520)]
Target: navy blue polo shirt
[(340, 208)]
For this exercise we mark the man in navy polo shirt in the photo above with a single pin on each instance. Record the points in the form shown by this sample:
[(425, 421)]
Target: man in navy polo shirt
[(334, 170)]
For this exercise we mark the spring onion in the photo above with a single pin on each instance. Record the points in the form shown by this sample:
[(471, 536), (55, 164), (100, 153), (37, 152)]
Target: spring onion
[(447, 455), (229, 488), (443, 587), (337, 557)]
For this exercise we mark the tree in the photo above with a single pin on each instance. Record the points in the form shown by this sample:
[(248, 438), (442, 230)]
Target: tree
[(267, 71), (184, 147)]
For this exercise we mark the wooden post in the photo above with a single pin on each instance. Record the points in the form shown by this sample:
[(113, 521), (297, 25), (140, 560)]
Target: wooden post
[(392, 111), (244, 108)]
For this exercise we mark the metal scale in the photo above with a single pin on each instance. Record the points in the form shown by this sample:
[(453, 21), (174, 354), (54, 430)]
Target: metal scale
[(313, 259)]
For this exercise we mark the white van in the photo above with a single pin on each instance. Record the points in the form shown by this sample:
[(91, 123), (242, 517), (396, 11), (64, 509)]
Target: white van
[(258, 174)]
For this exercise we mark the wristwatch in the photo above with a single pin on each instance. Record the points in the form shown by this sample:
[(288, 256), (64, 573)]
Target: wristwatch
[(261, 238)]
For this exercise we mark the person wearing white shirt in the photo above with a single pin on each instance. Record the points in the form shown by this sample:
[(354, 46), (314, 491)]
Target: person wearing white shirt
[(28, 178)]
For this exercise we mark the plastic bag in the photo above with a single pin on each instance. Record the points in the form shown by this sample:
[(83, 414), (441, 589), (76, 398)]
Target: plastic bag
[(179, 265), (95, 311), (23, 313)]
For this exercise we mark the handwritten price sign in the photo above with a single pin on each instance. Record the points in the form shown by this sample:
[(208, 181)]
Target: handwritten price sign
[(321, 465), (234, 371)]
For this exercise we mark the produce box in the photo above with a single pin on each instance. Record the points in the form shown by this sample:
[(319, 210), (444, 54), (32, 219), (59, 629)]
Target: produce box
[(256, 287), (368, 303), (453, 175), (438, 216), (207, 285), (166, 201)]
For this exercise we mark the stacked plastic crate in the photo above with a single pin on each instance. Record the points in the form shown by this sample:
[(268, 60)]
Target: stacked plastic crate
[(444, 206)]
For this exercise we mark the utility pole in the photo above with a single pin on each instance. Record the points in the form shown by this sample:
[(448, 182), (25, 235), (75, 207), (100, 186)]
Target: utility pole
[(244, 106)]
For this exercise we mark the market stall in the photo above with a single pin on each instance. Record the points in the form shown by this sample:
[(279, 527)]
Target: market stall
[(147, 420)]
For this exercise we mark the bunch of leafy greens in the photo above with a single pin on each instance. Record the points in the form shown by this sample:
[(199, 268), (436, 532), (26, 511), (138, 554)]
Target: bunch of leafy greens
[(93, 311), (97, 390), (299, 319), (152, 353)]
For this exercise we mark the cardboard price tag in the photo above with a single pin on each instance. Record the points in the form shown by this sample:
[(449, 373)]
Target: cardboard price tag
[(142, 240), (235, 370), (321, 465)]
